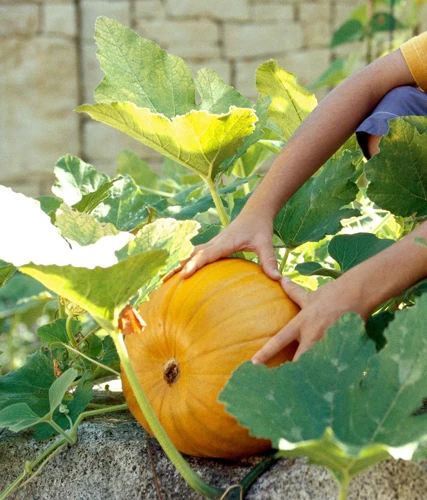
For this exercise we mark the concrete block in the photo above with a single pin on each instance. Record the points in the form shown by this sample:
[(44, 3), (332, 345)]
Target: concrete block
[(168, 33), (261, 39), (60, 19), (220, 9), (115, 459), (314, 12), (19, 20), (317, 34), (104, 144), (91, 9), (269, 12), (149, 9), (39, 90)]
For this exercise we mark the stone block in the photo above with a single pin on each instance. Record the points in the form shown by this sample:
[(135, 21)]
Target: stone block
[(91, 71), (314, 12), (245, 76), (200, 50), (114, 459), (269, 12), (19, 20), (60, 19), (317, 34), (149, 9), (39, 90), (221, 67), (306, 65), (261, 39), (91, 9), (103, 144), (168, 33), (219, 9)]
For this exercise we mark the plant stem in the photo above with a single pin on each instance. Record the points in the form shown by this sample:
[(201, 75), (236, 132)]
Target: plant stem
[(68, 437), (284, 260), (225, 221), (60, 443), (61, 308), (69, 332), (174, 455), (344, 489)]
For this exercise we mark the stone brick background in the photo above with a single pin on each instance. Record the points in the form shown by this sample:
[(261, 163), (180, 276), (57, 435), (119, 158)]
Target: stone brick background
[(48, 66)]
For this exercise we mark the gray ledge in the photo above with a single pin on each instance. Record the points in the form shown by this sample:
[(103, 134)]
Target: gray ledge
[(114, 459)]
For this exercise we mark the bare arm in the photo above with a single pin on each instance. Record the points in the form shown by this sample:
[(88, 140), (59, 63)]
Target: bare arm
[(359, 290), (319, 136)]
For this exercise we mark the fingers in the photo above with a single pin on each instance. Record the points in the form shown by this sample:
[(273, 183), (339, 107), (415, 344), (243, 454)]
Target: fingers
[(202, 255), (276, 343), (295, 292), (268, 261)]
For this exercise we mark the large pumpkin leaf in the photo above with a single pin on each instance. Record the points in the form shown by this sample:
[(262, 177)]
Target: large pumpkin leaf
[(76, 178), (342, 404), (317, 208), (90, 276), (139, 71), (398, 173), (198, 140), (352, 249), (290, 102), (126, 206), (81, 227)]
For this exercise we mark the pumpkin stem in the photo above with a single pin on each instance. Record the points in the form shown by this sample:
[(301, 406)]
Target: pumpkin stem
[(171, 371)]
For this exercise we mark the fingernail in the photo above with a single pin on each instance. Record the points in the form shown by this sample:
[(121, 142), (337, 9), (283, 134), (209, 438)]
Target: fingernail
[(255, 361)]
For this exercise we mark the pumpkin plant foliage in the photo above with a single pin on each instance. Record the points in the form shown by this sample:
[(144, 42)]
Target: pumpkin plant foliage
[(98, 245)]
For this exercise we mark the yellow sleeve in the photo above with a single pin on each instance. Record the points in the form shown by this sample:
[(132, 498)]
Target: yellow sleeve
[(415, 53)]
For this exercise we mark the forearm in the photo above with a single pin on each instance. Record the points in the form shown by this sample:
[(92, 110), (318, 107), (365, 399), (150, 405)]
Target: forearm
[(387, 274), (333, 121)]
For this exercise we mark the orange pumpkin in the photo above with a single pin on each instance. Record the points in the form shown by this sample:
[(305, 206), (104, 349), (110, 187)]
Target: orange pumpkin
[(199, 330)]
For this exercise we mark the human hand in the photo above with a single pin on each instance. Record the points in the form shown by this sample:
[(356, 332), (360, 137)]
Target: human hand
[(245, 233), (319, 310)]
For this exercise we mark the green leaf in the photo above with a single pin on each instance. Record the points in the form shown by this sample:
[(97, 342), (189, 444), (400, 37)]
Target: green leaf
[(384, 21), (167, 234), (216, 95), (351, 31), (404, 147), (58, 389), (53, 333), (316, 269), (81, 227), (341, 404), (49, 204), (138, 71), (198, 140), (125, 207), (75, 178), (339, 70), (18, 417), (290, 102), (317, 208), (30, 384), (91, 200), (102, 292), (207, 234), (6, 271), (130, 164), (352, 249)]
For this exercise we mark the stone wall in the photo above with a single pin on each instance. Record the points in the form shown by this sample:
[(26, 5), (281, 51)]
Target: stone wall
[(48, 66)]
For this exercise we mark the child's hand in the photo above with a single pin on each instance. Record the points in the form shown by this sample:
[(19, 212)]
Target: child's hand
[(319, 310), (245, 233)]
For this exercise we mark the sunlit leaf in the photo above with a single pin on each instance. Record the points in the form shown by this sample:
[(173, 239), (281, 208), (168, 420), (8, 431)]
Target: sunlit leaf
[(290, 102), (317, 208), (398, 173), (342, 404)]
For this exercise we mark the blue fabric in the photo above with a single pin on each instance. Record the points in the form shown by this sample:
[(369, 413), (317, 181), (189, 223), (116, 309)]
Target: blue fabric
[(401, 101)]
